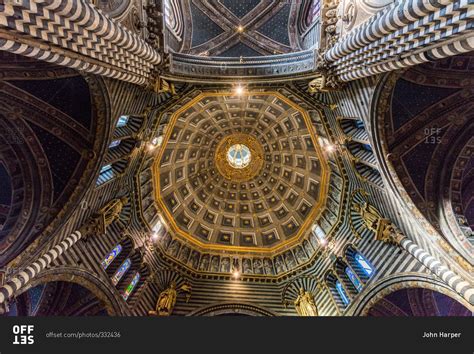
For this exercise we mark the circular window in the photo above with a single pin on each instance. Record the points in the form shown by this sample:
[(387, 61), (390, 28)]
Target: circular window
[(238, 156)]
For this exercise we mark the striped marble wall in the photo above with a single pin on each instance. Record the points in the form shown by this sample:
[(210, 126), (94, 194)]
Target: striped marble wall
[(387, 260)]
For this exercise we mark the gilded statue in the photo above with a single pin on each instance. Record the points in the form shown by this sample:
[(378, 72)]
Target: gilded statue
[(317, 85), (369, 214), (112, 210), (162, 85), (304, 304), (384, 229), (167, 299), (98, 222)]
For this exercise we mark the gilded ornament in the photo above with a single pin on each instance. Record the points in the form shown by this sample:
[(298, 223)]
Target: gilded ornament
[(251, 167)]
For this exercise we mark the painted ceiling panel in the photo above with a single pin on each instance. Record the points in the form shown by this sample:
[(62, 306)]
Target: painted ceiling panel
[(69, 95), (406, 105), (276, 27), (240, 8), (264, 25), (240, 49), (204, 29)]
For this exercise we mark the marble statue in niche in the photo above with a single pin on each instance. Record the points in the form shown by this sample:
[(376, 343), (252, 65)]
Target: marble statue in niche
[(215, 264), (246, 266), (194, 260), (300, 255), (279, 266), (165, 240), (204, 263), (268, 266), (225, 265), (314, 240), (290, 259), (257, 266), (184, 254), (174, 248), (332, 218), (307, 246)]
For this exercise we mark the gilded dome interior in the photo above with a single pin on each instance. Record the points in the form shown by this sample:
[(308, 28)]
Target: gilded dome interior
[(261, 207)]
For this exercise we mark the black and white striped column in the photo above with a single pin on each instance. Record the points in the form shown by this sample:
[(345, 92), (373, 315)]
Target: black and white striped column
[(407, 33), (24, 277), (455, 282), (77, 35)]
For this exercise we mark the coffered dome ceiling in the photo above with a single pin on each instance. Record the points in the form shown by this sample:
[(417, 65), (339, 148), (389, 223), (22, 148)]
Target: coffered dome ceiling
[(242, 176), (213, 203)]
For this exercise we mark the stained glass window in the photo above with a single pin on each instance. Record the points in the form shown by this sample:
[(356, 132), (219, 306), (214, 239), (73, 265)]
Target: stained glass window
[(121, 271), (366, 267), (131, 286), (359, 124), (114, 143), (106, 173), (320, 234), (105, 168), (122, 121), (367, 147), (112, 255), (342, 293), (354, 279)]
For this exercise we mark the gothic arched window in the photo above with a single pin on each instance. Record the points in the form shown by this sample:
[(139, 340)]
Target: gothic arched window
[(342, 293), (121, 271), (122, 121), (114, 143), (111, 256), (131, 286), (353, 278), (106, 174), (365, 266)]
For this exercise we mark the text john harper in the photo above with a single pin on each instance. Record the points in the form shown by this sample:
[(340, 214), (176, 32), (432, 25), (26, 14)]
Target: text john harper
[(440, 334)]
